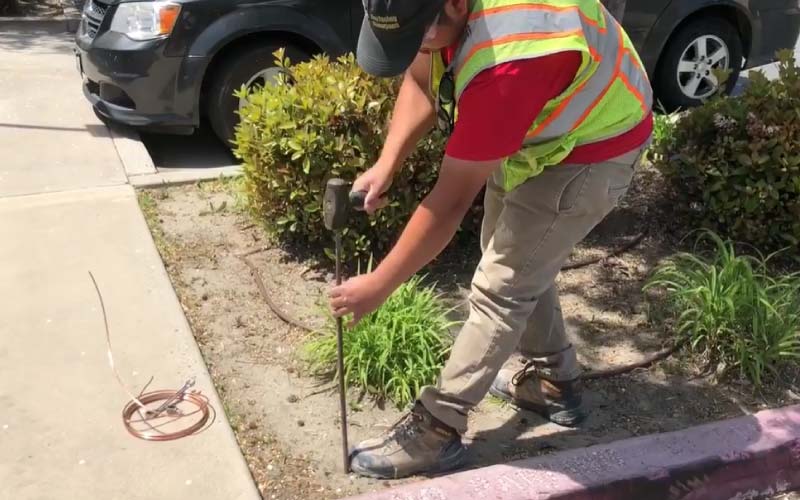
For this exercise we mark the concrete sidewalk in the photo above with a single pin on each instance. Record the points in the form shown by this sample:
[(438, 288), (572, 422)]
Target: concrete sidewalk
[(50, 138), (65, 209)]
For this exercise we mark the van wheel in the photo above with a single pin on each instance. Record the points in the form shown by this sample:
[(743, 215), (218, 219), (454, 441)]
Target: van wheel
[(252, 66), (685, 76)]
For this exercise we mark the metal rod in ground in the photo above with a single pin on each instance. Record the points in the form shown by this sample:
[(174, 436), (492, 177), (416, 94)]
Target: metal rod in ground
[(340, 350)]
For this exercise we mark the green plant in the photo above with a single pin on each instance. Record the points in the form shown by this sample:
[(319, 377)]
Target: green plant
[(230, 185), (664, 125), (735, 161), (395, 351), (149, 205), (325, 119), (732, 310)]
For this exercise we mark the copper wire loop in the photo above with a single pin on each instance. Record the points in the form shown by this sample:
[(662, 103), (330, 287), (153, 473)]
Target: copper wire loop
[(168, 398), (132, 410)]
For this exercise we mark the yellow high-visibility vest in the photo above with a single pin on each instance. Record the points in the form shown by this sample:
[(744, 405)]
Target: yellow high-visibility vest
[(610, 95)]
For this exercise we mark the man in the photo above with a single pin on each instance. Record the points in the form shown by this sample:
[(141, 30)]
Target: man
[(553, 110)]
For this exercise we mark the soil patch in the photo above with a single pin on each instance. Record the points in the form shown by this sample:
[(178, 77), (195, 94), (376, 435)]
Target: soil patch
[(287, 422)]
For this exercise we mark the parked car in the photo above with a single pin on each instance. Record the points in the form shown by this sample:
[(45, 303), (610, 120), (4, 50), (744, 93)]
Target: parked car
[(166, 64)]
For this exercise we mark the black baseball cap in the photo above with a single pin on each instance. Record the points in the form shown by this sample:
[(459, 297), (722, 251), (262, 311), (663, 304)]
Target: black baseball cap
[(392, 33)]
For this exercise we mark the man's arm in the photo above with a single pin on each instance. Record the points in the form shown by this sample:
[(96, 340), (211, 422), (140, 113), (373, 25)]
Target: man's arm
[(431, 227), (436, 220), (495, 113), (412, 118), (413, 115)]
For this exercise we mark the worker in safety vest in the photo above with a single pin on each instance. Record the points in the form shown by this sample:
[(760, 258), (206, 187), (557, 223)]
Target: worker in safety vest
[(547, 104)]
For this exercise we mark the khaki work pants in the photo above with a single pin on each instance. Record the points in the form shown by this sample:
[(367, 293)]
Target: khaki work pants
[(527, 235)]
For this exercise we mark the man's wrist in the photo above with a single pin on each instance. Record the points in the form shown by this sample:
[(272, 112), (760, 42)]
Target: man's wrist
[(386, 278), (389, 164)]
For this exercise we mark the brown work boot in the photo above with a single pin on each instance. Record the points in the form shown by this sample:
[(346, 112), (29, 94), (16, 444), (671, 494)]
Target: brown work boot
[(417, 443), (559, 402)]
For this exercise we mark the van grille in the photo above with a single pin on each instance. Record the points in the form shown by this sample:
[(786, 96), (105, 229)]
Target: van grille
[(93, 14)]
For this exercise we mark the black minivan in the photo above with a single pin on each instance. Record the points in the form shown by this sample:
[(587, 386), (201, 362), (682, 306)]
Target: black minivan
[(164, 64)]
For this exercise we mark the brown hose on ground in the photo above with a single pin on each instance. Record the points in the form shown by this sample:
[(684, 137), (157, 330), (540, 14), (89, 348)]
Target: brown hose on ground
[(271, 303), (621, 249), (620, 370), (591, 375)]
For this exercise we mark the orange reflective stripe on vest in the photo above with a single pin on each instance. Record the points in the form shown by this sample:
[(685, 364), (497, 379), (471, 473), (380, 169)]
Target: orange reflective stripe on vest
[(609, 95), (514, 23), (517, 8), (615, 62)]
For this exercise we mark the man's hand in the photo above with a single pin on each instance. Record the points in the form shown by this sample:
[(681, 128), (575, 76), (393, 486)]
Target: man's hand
[(412, 118), (430, 229), (358, 296), (376, 182)]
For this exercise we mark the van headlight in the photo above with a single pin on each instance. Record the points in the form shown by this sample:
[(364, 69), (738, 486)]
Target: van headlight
[(145, 20)]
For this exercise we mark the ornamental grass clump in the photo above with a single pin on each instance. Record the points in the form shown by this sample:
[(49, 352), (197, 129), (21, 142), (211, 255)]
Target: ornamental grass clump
[(736, 315), (395, 351)]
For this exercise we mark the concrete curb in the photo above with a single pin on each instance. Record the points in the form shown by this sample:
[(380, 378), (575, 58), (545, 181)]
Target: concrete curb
[(141, 170), (131, 150), (250, 490), (741, 458), (163, 179)]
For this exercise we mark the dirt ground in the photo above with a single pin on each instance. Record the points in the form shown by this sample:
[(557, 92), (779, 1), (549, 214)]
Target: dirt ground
[(287, 422)]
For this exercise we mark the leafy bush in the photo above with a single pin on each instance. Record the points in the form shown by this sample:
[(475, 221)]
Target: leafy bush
[(395, 351), (735, 161), (732, 310), (328, 119)]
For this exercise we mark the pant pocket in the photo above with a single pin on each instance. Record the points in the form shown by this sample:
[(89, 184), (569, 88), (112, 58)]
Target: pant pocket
[(573, 190)]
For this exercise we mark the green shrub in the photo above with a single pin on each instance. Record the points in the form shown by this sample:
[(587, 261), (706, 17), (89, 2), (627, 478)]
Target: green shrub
[(395, 351), (735, 161), (731, 309), (664, 125), (327, 120)]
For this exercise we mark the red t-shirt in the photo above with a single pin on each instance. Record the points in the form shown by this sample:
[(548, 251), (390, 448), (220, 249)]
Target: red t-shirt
[(498, 106)]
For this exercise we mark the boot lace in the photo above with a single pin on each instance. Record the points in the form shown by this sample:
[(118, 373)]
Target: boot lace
[(527, 371), (406, 428)]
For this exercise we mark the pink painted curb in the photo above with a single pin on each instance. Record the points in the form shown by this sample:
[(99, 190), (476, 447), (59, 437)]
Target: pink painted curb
[(741, 458)]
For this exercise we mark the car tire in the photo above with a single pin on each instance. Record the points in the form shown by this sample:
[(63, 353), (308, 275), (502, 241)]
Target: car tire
[(250, 65), (683, 77)]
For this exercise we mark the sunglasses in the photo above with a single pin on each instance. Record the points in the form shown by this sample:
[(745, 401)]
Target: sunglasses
[(446, 103)]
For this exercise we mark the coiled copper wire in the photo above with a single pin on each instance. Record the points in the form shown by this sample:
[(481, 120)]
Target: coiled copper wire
[(169, 399), (172, 414)]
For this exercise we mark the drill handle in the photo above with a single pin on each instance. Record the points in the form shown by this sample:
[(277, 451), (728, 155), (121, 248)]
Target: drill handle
[(359, 198)]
